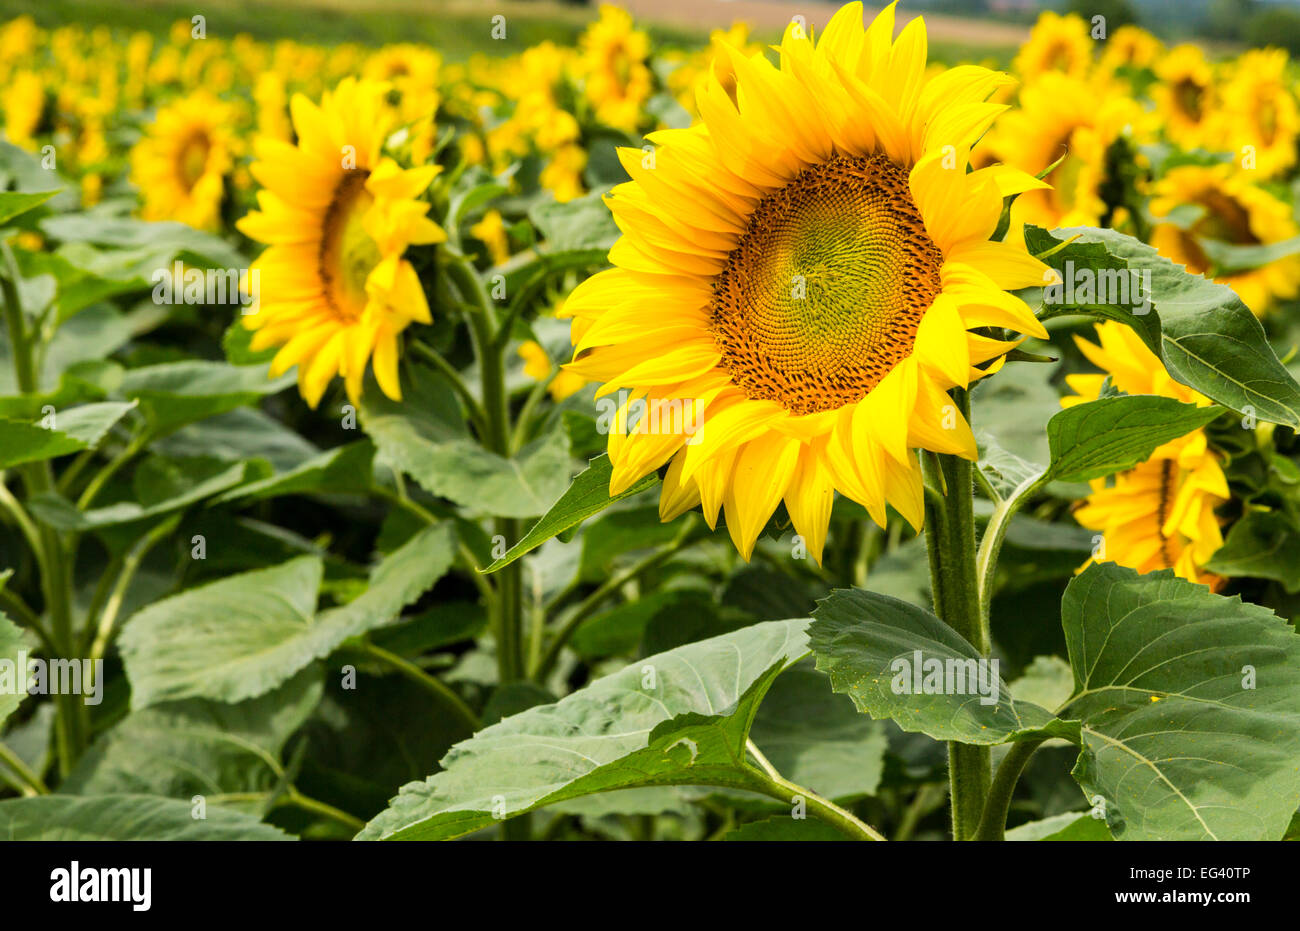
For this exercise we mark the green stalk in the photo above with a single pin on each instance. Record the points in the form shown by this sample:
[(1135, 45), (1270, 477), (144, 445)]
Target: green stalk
[(773, 784), (950, 544), (436, 687), (489, 350), (56, 577), (993, 822)]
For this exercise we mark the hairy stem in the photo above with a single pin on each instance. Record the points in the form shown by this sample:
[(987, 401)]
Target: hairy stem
[(950, 544)]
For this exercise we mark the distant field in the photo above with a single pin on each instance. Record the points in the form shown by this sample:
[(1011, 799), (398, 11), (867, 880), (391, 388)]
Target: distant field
[(460, 28)]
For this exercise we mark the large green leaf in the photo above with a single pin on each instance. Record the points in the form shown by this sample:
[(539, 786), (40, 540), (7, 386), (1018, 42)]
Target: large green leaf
[(1109, 435), (1206, 337), (198, 746), (425, 437), (1190, 707), (677, 718), (74, 430), (587, 496), (523, 485), (124, 817), (241, 636), (857, 636)]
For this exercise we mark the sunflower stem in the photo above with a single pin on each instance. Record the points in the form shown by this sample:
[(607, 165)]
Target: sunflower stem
[(72, 723), (489, 349), (950, 544)]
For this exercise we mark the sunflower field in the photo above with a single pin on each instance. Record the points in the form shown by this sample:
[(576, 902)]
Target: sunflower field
[(777, 434)]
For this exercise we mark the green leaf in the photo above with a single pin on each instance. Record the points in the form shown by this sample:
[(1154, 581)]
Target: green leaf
[(784, 829), (230, 640), (1109, 435), (124, 817), (1226, 257), (344, 469), (174, 394), (1047, 682), (677, 718), (587, 496), (12, 642), (127, 233), (1206, 337), (241, 636), (1190, 707), (63, 515), (857, 638), (582, 223), (425, 437), (1262, 545), (1068, 826), (520, 486), (817, 739), (198, 747), (78, 428), (13, 203)]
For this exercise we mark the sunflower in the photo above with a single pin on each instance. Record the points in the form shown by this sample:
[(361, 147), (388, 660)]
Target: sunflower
[(1130, 47), (335, 290), (1234, 211), (181, 164), (798, 275), (614, 66), (491, 231), (1260, 111), (1185, 96), (23, 102), (1063, 116), (1056, 44), (1159, 514)]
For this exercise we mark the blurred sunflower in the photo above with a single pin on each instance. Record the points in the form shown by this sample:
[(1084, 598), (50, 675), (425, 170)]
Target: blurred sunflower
[(799, 274), (1232, 211), (181, 164), (1062, 116), (1056, 44), (335, 289), (1260, 111), (491, 231), (1130, 47), (538, 366), (1185, 96), (1160, 514), (23, 102), (686, 80), (617, 81)]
